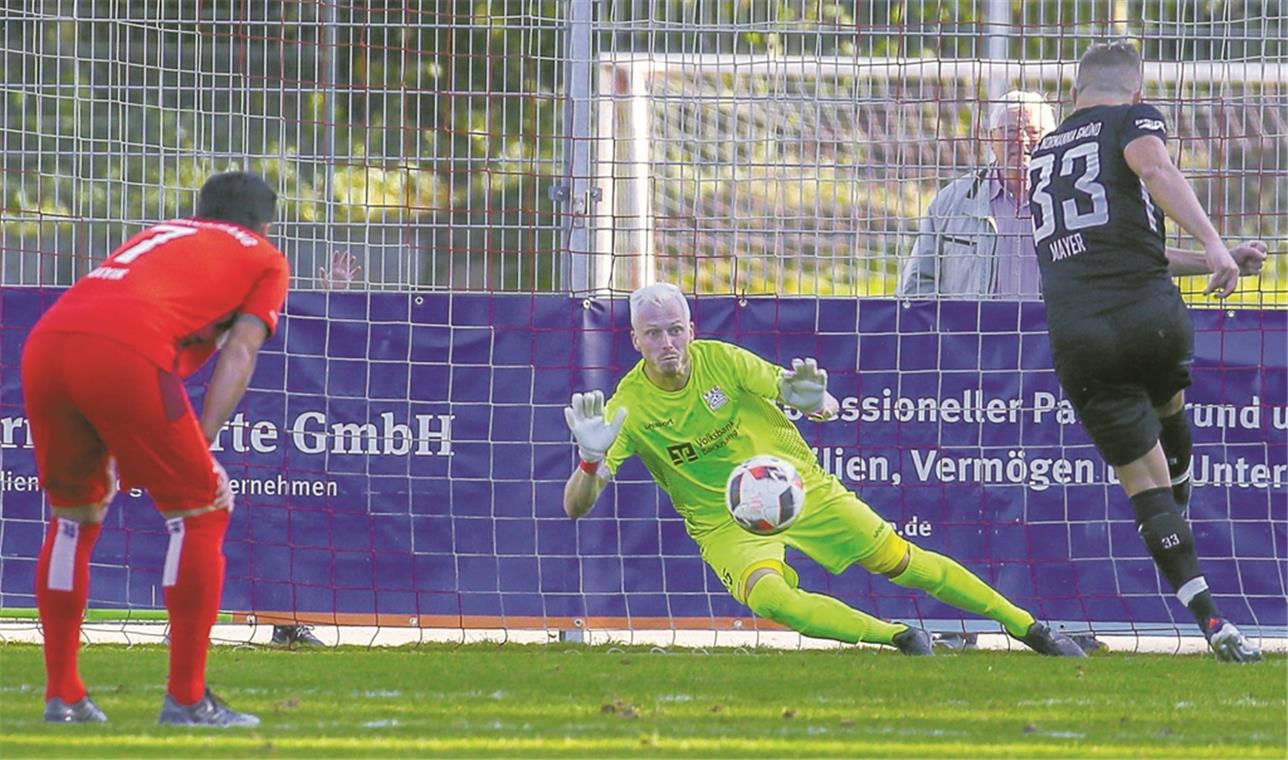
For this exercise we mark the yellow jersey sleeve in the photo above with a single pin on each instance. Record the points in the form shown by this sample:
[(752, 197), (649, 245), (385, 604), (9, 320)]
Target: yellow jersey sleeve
[(755, 375)]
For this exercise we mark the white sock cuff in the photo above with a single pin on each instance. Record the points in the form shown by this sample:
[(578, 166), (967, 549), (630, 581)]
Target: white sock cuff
[(1191, 589), (170, 574), (62, 560)]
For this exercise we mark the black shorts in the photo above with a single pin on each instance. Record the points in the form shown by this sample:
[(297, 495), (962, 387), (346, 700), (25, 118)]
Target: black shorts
[(1116, 368)]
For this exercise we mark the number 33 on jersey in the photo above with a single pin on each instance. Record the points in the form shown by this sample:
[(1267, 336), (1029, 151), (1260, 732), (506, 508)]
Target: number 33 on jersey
[(1095, 227)]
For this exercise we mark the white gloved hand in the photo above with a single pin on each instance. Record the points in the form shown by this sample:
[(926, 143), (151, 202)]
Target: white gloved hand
[(585, 417), (804, 386)]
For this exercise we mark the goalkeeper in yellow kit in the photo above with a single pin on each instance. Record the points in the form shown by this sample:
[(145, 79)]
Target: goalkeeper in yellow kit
[(692, 410)]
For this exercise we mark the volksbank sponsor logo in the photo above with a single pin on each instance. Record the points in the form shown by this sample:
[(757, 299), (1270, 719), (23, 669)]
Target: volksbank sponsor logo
[(681, 453), (719, 437)]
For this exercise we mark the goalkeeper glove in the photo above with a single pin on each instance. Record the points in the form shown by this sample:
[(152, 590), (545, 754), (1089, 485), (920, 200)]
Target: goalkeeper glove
[(585, 417), (804, 386)]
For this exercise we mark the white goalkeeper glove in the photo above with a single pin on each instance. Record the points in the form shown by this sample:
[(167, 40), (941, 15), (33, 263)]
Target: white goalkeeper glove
[(804, 386), (585, 417)]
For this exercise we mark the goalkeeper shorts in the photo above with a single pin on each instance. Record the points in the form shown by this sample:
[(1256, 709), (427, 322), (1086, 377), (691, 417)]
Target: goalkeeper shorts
[(836, 530)]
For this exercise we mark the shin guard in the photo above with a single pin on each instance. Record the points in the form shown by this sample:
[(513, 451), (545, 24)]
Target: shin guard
[(1177, 441), (1167, 536)]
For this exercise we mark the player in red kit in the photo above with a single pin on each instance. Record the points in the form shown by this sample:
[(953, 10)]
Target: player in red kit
[(102, 375)]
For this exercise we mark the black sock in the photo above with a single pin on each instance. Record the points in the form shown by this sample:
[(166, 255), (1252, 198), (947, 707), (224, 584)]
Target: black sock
[(1204, 610), (1178, 442), (1170, 542)]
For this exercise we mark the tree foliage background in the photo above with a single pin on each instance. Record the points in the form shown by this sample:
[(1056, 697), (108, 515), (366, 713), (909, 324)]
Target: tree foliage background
[(424, 137)]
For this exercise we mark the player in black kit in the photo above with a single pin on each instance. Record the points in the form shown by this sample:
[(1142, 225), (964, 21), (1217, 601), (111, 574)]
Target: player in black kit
[(1120, 334)]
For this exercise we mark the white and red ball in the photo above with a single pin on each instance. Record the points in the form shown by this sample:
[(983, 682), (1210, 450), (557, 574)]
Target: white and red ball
[(765, 495)]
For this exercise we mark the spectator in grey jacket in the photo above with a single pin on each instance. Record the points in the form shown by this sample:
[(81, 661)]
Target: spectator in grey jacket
[(976, 240)]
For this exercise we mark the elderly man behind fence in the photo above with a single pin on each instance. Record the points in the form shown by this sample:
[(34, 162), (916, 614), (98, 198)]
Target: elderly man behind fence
[(976, 240)]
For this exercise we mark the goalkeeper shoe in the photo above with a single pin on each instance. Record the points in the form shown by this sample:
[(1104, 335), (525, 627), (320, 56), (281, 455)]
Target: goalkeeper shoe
[(209, 711), (1228, 644), (913, 642), (84, 711), (1045, 641)]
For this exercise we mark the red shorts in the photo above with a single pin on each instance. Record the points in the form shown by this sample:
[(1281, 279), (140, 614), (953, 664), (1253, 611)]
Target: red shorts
[(89, 399)]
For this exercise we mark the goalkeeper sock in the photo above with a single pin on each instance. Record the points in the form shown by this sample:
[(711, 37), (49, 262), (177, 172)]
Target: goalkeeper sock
[(953, 584), (1177, 441), (815, 614), (193, 580), (62, 590)]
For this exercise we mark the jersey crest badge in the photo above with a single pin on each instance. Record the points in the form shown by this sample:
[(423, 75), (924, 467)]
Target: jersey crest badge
[(715, 398)]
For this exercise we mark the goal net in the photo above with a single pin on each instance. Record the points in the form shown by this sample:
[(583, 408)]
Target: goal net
[(401, 454)]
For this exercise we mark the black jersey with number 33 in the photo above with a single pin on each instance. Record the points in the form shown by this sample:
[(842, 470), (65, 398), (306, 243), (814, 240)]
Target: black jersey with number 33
[(1099, 237)]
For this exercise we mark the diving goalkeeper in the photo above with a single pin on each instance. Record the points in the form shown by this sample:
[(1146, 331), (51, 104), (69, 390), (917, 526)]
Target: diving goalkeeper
[(697, 408)]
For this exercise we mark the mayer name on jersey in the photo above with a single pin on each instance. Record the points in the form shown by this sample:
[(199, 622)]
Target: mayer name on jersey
[(1099, 236)]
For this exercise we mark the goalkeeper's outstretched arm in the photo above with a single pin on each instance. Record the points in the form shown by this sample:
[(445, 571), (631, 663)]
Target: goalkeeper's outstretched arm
[(594, 436), (581, 491)]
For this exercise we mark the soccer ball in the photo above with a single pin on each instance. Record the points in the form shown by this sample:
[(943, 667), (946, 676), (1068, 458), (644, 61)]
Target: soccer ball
[(765, 495)]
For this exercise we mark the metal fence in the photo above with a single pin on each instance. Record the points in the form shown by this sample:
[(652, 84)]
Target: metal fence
[(546, 145)]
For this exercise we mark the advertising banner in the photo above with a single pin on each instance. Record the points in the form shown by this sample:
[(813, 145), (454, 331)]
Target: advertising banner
[(400, 459)]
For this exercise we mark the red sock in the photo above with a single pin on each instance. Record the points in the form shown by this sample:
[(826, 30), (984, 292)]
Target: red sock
[(192, 580), (62, 590)]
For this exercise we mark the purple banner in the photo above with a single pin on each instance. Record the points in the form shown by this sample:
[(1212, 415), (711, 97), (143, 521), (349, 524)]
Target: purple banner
[(402, 458)]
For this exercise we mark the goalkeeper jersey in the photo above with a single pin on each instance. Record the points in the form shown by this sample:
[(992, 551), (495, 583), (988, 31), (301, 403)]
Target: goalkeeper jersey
[(691, 439)]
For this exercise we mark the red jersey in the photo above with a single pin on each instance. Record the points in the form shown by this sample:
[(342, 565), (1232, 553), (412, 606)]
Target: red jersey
[(172, 290)]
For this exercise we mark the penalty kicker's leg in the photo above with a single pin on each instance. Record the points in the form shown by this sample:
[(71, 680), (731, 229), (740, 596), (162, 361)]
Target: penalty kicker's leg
[(1162, 526), (817, 615), (910, 566)]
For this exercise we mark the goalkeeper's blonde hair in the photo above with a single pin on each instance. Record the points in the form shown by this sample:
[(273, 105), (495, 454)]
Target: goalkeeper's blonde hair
[(658, 294)]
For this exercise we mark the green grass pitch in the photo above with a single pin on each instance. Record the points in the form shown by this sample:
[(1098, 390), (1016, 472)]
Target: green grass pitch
[(569, 700)]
